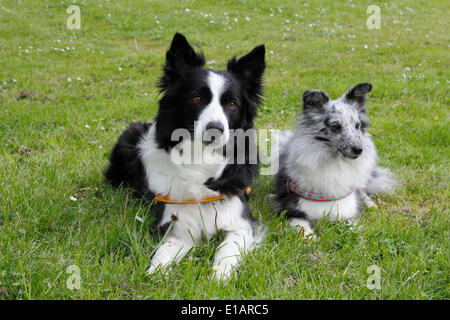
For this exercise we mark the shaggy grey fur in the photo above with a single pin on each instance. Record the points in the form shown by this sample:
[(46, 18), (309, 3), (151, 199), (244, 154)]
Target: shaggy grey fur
[(332, 153)]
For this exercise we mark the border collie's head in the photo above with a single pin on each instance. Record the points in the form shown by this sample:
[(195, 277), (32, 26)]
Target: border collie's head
[(340, 125), (216, 100)]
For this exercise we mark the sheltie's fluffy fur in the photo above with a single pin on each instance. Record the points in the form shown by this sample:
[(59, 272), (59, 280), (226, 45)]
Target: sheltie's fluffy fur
[(199, 100), (330, 154)]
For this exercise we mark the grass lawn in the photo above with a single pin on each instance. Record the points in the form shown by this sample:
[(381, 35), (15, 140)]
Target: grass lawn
[(66, 95)]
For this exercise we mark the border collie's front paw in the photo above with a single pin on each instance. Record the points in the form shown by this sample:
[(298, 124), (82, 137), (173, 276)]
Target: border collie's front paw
[(153, 268), (157, 269), (227, 189), (213, 184)]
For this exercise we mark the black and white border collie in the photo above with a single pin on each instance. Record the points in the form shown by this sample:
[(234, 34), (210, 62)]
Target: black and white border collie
[(197, 100), (328, 165)]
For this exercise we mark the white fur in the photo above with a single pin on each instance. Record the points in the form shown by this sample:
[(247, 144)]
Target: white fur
[(317, 168), (318, 171), (181, 181), (214, 110), (303, 224), (192, 221), (280, 142)]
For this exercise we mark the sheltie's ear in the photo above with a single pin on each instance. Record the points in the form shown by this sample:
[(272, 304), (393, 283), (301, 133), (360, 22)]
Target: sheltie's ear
[(179, 58), (314, 100), (358, 94), (249, 70)]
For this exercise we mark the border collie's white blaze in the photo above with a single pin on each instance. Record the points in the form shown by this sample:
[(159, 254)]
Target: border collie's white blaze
[(329, 156), (213, 116), (218, 101)]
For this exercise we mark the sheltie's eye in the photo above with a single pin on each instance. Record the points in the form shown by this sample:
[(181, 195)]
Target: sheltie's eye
[(336, 126), (196, 100), (357, 126), (231, 105)]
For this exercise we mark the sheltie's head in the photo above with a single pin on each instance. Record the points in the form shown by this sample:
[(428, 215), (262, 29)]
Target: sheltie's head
[(338, 125)]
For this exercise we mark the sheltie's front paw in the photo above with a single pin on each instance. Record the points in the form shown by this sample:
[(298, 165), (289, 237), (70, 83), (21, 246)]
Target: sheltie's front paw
[(368, 201), (303, 227)]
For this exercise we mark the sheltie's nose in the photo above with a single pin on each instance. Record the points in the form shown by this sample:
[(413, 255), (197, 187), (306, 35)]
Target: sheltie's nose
[(215, 125), (357, 150)]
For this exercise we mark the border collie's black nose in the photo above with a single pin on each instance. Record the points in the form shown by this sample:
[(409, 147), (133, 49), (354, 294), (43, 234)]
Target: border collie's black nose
[(215, 125), (357, 150)]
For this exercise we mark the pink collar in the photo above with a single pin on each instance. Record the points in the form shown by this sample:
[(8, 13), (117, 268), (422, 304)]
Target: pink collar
[(313, 196)]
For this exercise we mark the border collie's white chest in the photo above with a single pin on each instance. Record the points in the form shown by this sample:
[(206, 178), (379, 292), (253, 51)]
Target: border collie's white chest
[(181, 181)]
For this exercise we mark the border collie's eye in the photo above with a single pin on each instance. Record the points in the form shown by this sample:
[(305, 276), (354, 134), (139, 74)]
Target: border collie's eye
[(357, 126), (336, 126), (196, 100), (232, 105)]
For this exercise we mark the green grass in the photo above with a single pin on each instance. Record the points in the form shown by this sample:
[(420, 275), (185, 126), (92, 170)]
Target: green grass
[(56, 135)]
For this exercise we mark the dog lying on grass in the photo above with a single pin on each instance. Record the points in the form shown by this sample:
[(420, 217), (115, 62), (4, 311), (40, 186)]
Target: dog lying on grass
[(196, 199), (328, 165)]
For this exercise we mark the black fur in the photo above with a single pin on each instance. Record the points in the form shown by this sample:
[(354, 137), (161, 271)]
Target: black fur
[(249, 71), (235, 177), (125, 166), (184, 77), (314, 99), (285, 200), (358, 94)]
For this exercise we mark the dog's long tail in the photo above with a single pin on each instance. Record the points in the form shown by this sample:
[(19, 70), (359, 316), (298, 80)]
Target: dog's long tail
[(382, 181)]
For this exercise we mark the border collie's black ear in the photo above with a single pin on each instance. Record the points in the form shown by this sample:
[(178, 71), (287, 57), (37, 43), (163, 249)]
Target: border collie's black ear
[(179, 58), (314, 99), (250, 69), (358, 93)]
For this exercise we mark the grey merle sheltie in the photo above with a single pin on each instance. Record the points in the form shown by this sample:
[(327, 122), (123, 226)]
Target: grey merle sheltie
[(200, 101), (328, 165)]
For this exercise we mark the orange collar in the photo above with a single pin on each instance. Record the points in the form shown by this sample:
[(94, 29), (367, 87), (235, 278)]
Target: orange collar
[(166, 199)]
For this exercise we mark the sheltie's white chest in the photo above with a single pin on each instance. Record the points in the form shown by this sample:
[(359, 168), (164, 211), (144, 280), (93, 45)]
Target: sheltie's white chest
[(343, 209)]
